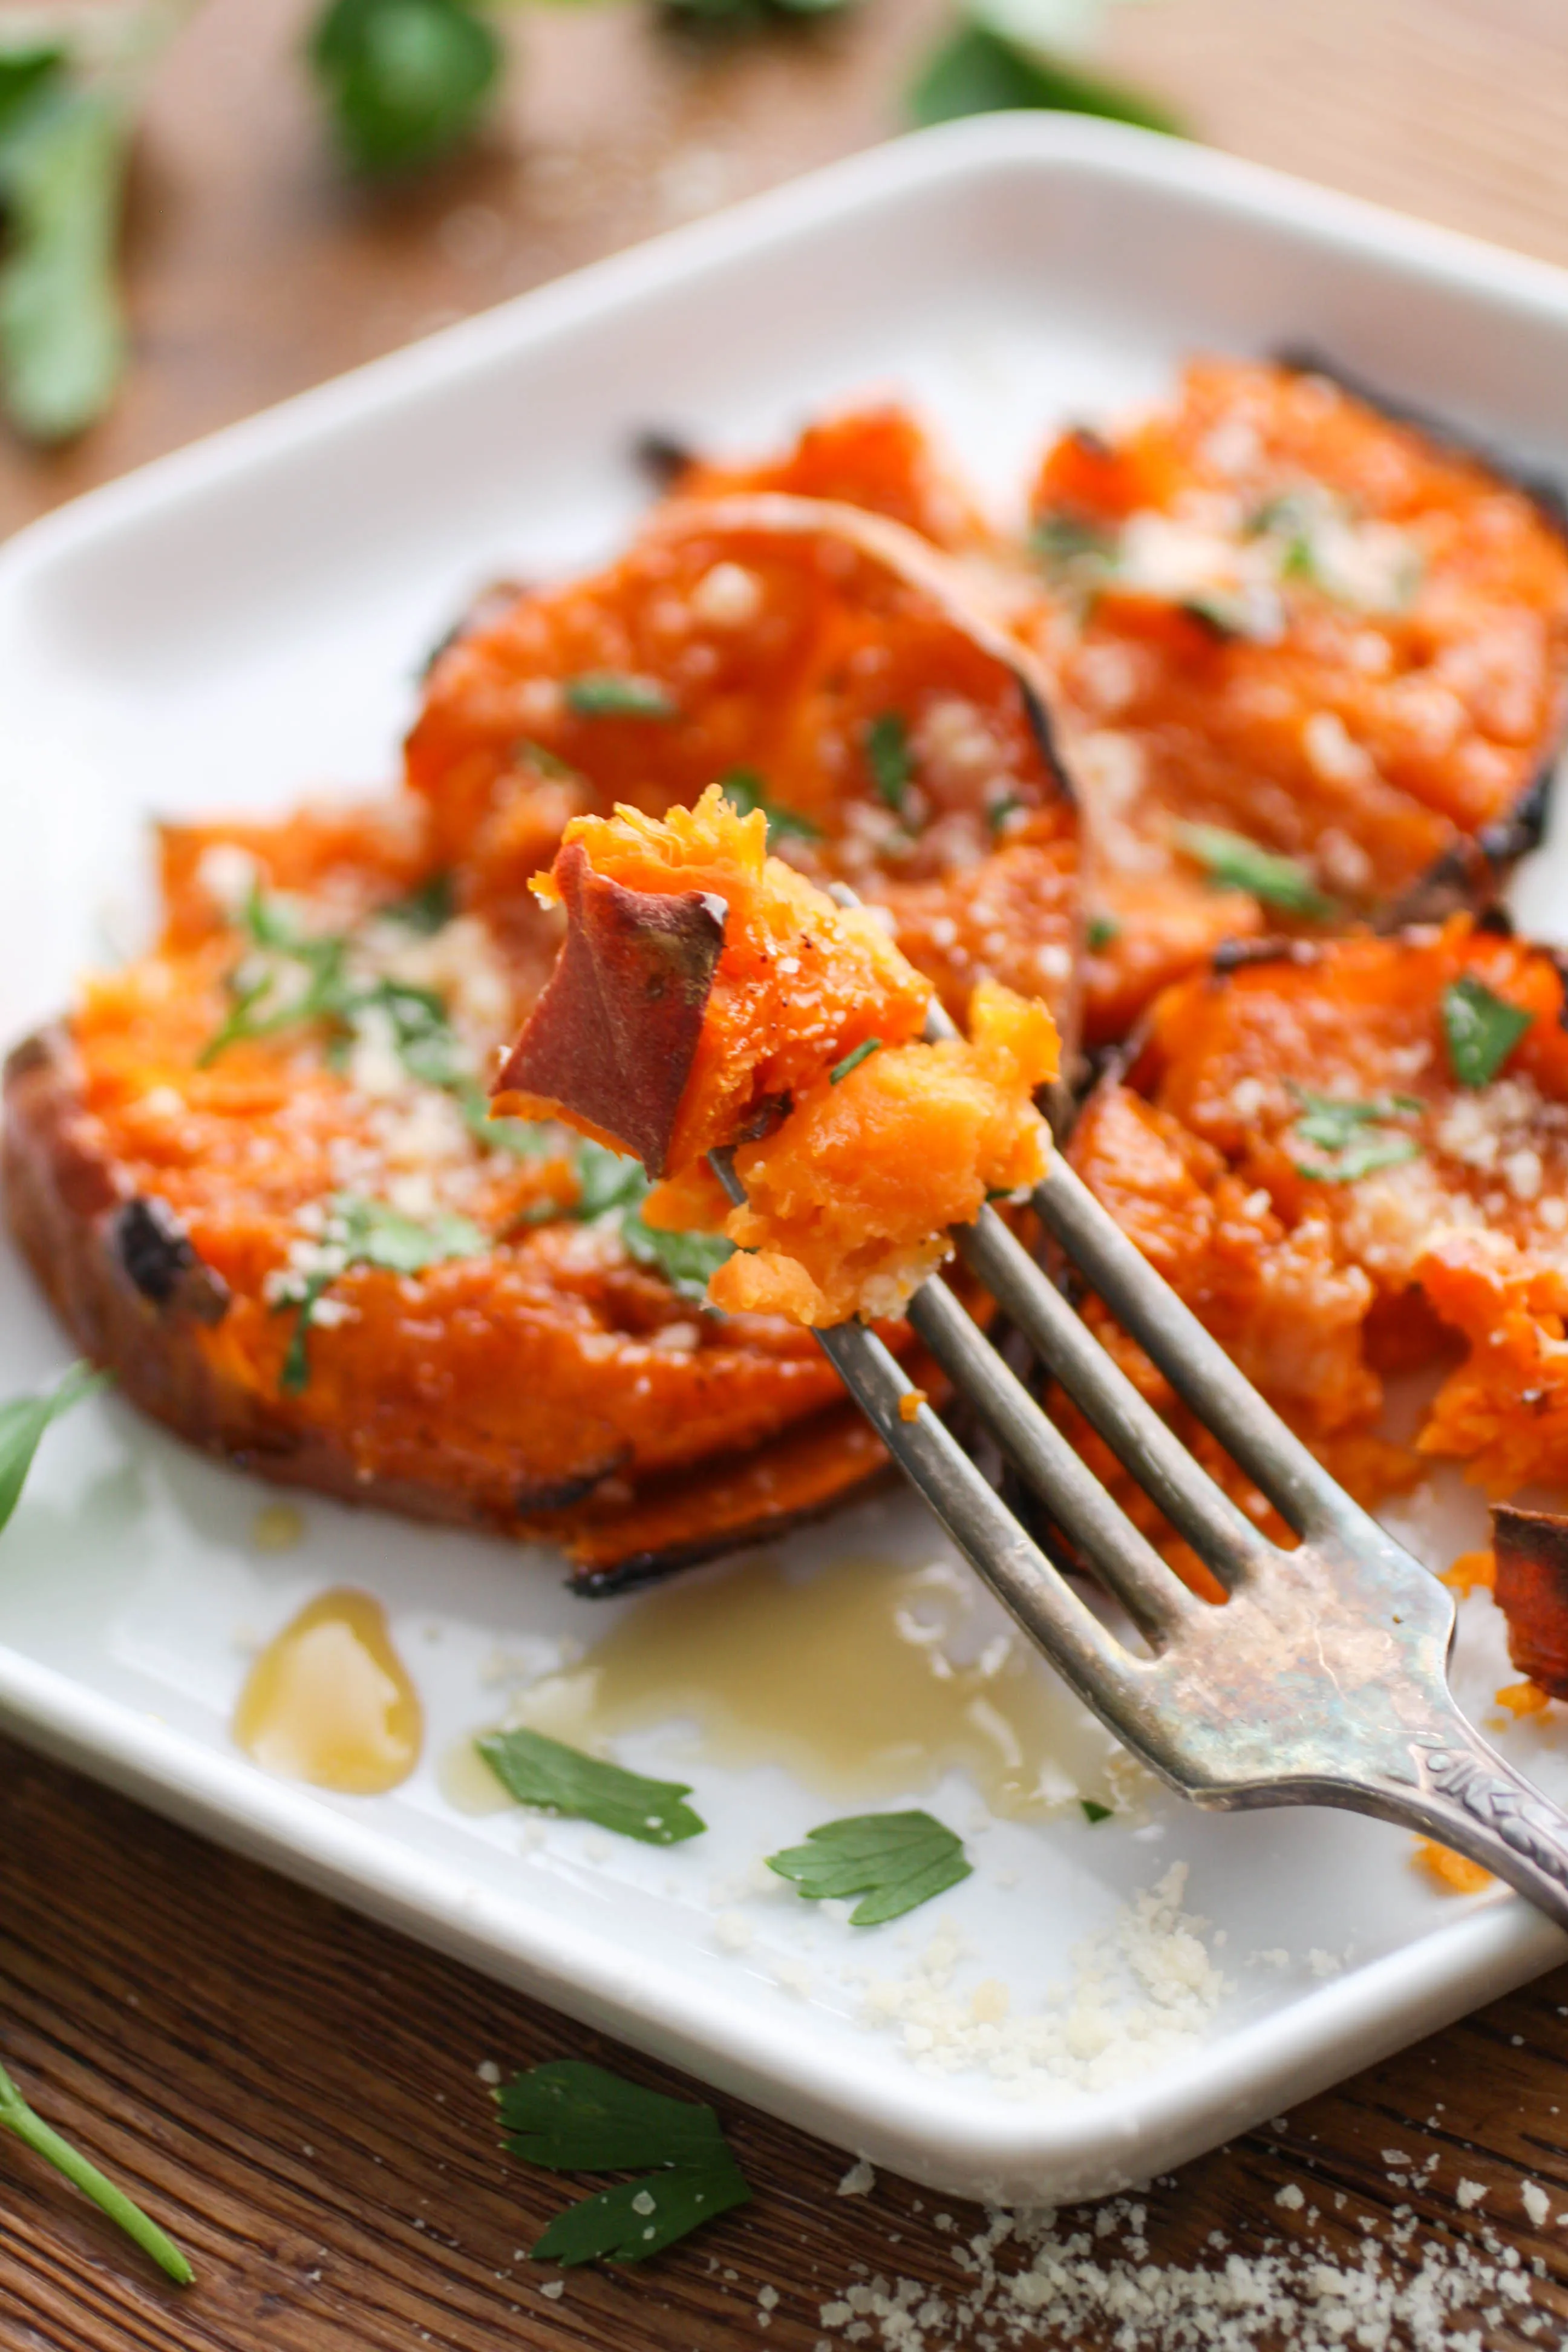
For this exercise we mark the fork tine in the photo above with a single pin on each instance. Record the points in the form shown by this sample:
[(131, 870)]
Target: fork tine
[(1219, 1532), (979, 1523), (1097, 1527), (1193, 1361), (1105, 1677)]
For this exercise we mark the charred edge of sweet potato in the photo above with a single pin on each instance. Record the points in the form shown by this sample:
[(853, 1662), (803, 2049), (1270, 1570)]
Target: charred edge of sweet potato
[(1472, 870), (485, 606), (1545, 493), (662, 458), (1531, 1591)]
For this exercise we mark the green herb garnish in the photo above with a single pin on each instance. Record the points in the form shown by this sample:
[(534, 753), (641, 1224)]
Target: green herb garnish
[(24, 1419), (978, 71), (606, 694), (425, 911), (894, 1861), (561, 1779), (862, 1053), (1094, 1811), (887, 755), (745, 791), (1102, 931), (1239, 863), (62, 327), (1353, 1134), (17, 2116), (406, 80), (571, 2117), (366, 1232), (1067, 542), (1481, 1028), (998, 811), (687, 1261), (549, 763)]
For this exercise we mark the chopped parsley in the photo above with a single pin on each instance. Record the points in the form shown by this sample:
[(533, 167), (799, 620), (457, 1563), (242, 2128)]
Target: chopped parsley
[(862, 1053), (22, 1422), (1481, 1028), (686, 1260), (1067, 542), (608, 693), (1094, 1811), (562, 1781), (289, 977), (999, 810), (1239, 863), (428, 909), (1353, 1137), (1102, 931), (892, 1861), (571, 2117), (891, 760), (745, 791), (548, 762), (357, 1233)]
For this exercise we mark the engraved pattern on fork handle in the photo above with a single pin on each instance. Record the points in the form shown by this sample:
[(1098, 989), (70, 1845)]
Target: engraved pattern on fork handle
[(1474, 1801)]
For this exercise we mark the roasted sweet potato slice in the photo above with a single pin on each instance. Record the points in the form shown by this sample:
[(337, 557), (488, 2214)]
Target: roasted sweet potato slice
[(879, 458), (1352, 1159), (1312, 628), (1530, 1588), (254, 1175), (858, 1144), (825, 666)]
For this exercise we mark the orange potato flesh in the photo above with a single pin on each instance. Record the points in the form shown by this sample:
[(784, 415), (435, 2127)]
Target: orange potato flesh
[(1400, 693), (878, 458), (777, 635), (873, 1143), (1319, 1288)]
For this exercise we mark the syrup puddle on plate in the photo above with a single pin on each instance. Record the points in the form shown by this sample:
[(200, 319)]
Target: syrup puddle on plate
[(868, 1681), (330, 1701)]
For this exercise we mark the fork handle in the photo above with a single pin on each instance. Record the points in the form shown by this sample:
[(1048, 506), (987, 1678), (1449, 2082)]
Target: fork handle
[(1468, 1797)]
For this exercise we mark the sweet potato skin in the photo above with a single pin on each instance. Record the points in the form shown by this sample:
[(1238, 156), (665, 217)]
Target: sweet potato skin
[(1530, 1588)]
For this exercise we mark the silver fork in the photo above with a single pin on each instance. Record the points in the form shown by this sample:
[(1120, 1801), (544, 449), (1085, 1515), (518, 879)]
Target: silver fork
[(1323, 1678)]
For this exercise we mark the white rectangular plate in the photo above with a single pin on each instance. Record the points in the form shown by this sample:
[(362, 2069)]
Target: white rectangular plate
[(240, 625)]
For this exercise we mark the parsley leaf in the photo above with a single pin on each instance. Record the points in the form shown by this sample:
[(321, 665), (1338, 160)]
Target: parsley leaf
[(426, 909), (1353, 1133), (639, 2218), (406, 80), (862, 1053), (1482, 1030), (1101, 932), (562, 1779), (685, 1260), (17, 2116), (1242, 864), (23, 1421), (1065, 541), (894, 1861), (887, 755), (606, 694), (978, 71), (366, 1233), (606, 1180), (745, 791), (1094, 1811), (572, 2116), (62, 329)]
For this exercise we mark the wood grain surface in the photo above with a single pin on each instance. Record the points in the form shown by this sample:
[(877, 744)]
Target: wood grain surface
[(292, 2090)]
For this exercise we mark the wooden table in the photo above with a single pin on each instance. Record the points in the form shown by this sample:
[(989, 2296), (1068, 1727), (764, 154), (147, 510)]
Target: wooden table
[(292, 2089)]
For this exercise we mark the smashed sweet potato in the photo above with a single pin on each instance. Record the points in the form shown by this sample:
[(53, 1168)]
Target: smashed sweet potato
[(826, 666), (1313, 664), (1351, 1160), (256, 1176), (709, 997)]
